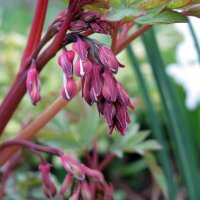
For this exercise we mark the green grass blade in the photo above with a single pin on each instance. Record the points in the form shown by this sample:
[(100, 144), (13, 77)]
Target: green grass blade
[(196, 43), (155, 124), (179, 132)]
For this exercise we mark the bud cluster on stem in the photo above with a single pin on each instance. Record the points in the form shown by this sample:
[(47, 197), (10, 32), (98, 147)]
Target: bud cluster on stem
[(75, 170), (96, 65)]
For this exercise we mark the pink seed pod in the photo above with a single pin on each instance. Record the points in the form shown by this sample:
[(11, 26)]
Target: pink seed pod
[(33, 84), (69, 88)]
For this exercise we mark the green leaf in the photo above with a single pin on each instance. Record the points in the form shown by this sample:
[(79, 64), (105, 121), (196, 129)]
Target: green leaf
[(146, 146), (86, 128), (128, 14), (165, 17), (148, 4), (156, 172), (178, 3), (178, 126)]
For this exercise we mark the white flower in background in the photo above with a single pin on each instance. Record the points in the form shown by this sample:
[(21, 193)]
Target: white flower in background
[(186, 71)]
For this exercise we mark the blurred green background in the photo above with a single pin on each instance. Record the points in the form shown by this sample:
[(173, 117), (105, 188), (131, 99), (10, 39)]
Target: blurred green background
[(159, 156)]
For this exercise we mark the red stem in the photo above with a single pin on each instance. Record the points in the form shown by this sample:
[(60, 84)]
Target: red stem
[(18, 89), (95, 154), (106, 161), (30, 146), (36, 30)]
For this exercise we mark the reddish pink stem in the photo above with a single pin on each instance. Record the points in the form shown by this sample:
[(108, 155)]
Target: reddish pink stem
[(18, 89), (36, 29), (106, 161), (95, 155)]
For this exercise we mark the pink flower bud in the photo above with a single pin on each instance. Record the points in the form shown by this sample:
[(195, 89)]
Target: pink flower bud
[(86, 86), (96, 28), (76, 193), (100, 27), (104, 27), (78, 25), (66, 184), (85, 191), (65, 60), (72, 167), (121, 116), (50, 193), (82, 68), (94, 96), (69, 88), (128, 120), (108, 59), (33, 84), (123, 97), (48, 187), (92, 173), (100, 106), (109, 112), (89, 16), (109, 90), (96, 81), (81, 48)]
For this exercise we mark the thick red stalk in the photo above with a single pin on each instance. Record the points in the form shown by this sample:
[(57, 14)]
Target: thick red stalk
[(36, 30), (18, 89)]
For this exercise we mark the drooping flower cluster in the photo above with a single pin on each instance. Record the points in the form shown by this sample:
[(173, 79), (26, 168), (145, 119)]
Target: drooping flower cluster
[(77, 171), (96, 65)]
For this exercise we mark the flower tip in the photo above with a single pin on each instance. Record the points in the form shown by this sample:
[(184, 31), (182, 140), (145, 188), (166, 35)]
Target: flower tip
[(33, 85), (131, 106)]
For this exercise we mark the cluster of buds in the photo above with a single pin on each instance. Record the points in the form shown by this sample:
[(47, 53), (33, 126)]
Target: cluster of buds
[(89, 20), (96, 65), (83, 21), (84, 188)]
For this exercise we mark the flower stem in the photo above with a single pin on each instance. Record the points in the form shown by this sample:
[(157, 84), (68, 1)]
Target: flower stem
[(132, 37), (30, 146), (31, 130), (36, 30), (106, 161), (18, 89)]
